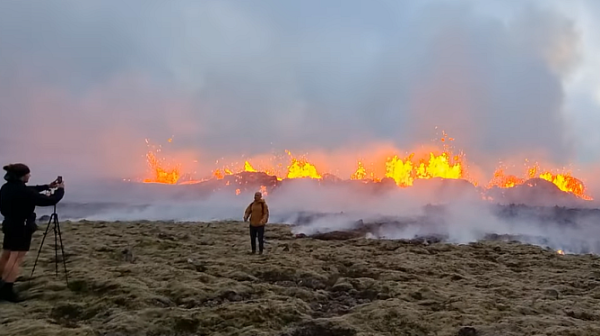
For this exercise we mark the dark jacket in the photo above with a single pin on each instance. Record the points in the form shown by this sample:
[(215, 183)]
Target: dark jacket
[(18, 202)]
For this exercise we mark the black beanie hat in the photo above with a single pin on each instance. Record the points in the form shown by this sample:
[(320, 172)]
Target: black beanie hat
[(16, 170)]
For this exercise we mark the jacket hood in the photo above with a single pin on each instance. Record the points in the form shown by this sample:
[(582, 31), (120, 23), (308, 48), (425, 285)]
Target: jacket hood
[(10, 177)]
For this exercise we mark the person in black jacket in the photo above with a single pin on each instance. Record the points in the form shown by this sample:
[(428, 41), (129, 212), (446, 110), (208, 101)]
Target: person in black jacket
[(17, 205)]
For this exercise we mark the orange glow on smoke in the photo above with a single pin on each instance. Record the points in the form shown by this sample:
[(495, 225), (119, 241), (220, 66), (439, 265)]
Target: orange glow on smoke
[(263, 190)]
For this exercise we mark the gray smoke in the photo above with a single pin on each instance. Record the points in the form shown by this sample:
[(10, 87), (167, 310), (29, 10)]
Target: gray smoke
[(390, 213), (82, 84)]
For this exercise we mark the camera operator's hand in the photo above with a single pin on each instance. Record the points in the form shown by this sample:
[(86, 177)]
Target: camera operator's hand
[(61, 185), (53, 185)]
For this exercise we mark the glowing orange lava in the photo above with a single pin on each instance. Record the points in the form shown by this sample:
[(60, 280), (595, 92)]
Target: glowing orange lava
[(403, 170), (220, 175), (565, 182), (300, 168), (360, 173), (161, 174), (502, 180), (248, 167), (568, 183)]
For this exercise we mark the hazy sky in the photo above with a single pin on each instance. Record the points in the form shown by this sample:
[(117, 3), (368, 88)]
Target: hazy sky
[(83, 83)]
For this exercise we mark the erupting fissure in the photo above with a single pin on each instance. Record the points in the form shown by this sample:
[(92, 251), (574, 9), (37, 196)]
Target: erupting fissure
[(300, 168), (161, 174), (565, 181), (403, 172)]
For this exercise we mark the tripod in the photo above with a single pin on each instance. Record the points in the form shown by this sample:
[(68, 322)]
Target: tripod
[(57, 237)]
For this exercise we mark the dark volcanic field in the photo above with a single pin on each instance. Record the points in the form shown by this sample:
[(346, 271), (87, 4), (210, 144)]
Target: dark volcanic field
[(157, 278)]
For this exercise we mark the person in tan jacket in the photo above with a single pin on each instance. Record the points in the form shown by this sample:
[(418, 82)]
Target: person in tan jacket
[(258, 213)]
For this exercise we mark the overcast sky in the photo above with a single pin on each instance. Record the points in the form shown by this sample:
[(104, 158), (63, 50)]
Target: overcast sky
[(83, 83)]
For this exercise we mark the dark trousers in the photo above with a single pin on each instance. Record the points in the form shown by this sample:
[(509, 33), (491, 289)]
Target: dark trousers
[(254, 232)]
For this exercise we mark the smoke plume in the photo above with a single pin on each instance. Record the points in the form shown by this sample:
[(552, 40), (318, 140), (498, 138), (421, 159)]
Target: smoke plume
[(83, 84)]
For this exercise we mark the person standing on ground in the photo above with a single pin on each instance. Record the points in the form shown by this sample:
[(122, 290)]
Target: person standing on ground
[(258, 213), (17, 205)]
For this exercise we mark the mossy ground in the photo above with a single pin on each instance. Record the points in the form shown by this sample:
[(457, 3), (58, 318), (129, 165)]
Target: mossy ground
[(156, 278)]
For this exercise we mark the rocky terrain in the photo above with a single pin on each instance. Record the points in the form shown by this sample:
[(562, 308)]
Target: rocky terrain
[(151, 278)]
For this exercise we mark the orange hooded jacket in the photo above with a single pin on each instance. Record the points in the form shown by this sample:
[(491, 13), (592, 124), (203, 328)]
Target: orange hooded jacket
[(258, 211)]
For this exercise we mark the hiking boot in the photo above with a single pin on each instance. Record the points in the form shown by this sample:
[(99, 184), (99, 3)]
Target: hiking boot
[(7, 293)]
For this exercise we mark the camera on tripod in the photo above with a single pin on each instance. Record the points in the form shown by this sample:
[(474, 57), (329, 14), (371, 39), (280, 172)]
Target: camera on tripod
[(53, 221)]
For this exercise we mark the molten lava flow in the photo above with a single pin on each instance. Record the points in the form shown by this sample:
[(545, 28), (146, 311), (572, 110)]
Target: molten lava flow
[(400, 171), (360, 173), (568, 183), (220, 175), (301, 169), (504, 181), (404, 172), (560, 252), (440, 166), (161, 174), (248, 167), (564, 182)]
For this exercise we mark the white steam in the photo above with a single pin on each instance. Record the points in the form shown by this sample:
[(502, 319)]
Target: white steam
[(312, 209)]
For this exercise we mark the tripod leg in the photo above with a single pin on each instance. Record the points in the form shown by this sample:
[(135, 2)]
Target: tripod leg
[(62, 249), (55, 248), (41, 244)]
